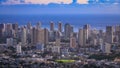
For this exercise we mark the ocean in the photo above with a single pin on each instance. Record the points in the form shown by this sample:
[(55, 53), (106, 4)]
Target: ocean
[(96, 21)]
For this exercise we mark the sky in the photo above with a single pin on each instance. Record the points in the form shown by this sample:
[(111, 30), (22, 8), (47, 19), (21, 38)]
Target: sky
[(59, 6)]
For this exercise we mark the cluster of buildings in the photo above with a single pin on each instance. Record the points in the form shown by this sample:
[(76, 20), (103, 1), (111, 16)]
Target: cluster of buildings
[(60, 42), (59, 38)]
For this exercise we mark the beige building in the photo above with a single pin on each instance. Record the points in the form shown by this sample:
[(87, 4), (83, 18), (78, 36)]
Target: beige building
[(80, 37), (73, 42)]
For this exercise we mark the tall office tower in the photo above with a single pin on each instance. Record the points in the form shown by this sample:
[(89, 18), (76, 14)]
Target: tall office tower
[(18, 48), (80, 37), (73, 42), (57, 35), (117, 33), (34, 35), (58, 41), (23, 36), (2, 29), (109, 34), (101, 33), (85, 37), (15, 28), (38, 25), (44, 36), (28, 25), (68, 29), (60, 27), (51, 26), (8, 30), (87, 30)]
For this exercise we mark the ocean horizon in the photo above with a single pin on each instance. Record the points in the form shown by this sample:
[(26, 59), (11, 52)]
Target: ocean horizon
[(96, 21)]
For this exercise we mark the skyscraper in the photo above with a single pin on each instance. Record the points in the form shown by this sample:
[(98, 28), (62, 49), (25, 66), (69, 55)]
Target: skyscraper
[(8, 30), (43, 39), (15, 28), (28, 25), (86, 34), (60, 27), (2, 29), (80, 37), (23, 36), (73, 42), (34, 35), (18, 48), (51, 26), (117, 33), (109, 34), (38, 25), (68, 30)]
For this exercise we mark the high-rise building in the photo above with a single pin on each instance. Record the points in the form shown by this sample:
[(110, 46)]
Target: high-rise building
[(18, 48), (2, 29), (34, 35), (117, 33), (23, 36), (109, 34), (8, 30), (28, 25), (44, 36), (60, 27), (87, 30), (80, 37), (68, 30), (85, 37), (51, 26), (15, 28), (38, 25), (73, 42)]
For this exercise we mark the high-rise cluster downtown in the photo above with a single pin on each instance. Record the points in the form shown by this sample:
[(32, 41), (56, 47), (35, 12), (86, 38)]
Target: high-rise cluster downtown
[(33, 35)]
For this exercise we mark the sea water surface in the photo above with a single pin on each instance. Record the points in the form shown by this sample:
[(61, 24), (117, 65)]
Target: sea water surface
[(96, 21)]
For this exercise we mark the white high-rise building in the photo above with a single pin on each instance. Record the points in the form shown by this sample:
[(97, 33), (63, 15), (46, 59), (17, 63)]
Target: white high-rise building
[(23, 36), (18, 48)]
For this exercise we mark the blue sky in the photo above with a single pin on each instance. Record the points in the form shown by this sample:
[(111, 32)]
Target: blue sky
[(59, 6)]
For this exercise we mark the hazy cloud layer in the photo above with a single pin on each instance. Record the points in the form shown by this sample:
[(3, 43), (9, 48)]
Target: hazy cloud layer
[(5, 2)]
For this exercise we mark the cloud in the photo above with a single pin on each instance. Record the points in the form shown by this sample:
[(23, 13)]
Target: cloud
[(11, 2), (48, 1), (35, 1), (5, 2), (82, 1)]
